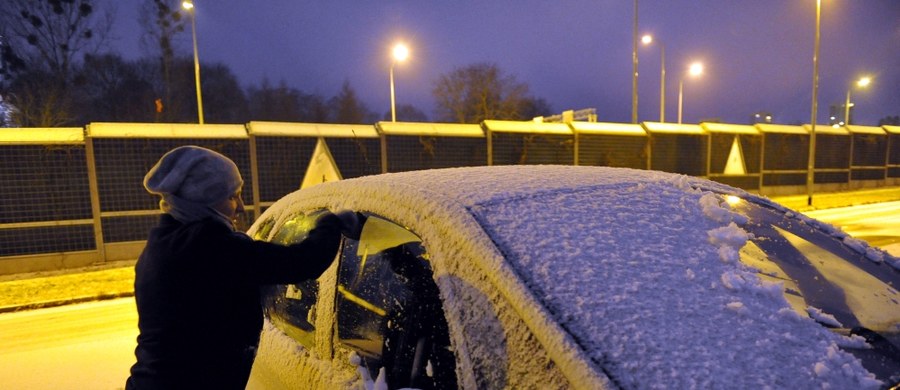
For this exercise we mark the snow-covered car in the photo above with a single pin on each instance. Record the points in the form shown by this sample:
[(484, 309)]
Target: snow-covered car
[(576, 277)]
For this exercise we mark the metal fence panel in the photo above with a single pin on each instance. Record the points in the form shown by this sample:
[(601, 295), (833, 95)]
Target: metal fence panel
[(282, 163), (893, 157), (44, 200), (744, 182), (679, 153), (128, 228), (893, 149), (785, 152), (413, 152), (869, 156), (612, 151), (43, 183), (46, 239), (867, 174), (783, 179), (526, 148), (869, 149), (356, 157), (831, 177), (832, 151)]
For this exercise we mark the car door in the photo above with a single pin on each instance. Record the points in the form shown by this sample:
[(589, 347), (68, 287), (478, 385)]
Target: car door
[(293, 311), (389, 318)]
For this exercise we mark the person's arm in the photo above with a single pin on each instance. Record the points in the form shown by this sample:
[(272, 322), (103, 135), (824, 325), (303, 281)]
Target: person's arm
[(261, 262)]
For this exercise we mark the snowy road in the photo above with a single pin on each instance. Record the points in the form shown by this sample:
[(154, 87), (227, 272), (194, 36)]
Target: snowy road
[(877, 223), (83, 346)]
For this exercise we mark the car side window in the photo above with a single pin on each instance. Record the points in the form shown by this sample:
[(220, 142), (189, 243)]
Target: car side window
[(389, 309), (265, 227), (291, 307)]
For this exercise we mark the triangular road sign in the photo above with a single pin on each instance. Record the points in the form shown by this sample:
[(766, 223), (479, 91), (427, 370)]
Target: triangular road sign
[(322, 167), (735, 164)]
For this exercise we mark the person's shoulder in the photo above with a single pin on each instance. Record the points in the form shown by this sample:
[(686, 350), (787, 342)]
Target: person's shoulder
[(213, 228), (207, 227)]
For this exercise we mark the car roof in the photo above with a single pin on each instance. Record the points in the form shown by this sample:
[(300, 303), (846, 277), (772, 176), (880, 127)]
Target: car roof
[(639, 267), (473, 185)]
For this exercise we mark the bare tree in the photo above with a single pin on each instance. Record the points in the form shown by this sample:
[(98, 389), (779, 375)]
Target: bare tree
[(113, 90), (280, 103), (43, 43), (53, 34), (477, 92), (889, 121), (39, 101), (223, 98), (407, 113), (162, 21)]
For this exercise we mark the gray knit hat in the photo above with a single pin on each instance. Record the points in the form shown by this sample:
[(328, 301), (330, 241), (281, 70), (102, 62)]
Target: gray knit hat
[(194, 174)]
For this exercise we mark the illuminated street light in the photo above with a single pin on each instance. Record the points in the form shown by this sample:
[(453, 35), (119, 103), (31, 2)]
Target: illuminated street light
[(696, 69), (861, 83), (811, 162), (189, 7), (400, 54), (648, 39), (634, 66)]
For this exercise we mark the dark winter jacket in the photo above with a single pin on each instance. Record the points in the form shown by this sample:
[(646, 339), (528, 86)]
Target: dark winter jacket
[(197, 294)]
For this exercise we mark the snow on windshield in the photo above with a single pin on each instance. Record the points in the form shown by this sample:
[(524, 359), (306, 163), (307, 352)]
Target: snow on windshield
[(647, 279)]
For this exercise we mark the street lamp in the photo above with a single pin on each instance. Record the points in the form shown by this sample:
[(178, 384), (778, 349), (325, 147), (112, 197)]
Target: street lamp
[(694, 70), (862, 83), (811, 162), (189, 7), (634, 66), (648, 39), (400, 53)]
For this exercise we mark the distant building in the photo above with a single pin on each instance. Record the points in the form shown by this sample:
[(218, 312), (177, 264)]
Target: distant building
[(836, 114), (585, 115), (761, 117)]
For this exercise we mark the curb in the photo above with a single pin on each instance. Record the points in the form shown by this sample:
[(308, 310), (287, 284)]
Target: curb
[(63, 302)]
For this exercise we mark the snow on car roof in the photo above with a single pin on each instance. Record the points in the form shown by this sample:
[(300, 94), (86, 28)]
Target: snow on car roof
[(640, 267)]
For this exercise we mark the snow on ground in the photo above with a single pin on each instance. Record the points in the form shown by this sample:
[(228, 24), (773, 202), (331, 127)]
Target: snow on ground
[(893, 249)]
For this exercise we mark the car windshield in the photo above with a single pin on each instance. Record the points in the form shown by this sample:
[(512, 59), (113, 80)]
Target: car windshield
[(649, 275), (827, 280)]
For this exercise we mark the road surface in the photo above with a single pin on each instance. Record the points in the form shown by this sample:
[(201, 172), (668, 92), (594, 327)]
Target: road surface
[(876, 223), (84, 346)]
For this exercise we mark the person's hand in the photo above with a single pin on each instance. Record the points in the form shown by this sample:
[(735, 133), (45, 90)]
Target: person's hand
[(351, 224), (346, 222)]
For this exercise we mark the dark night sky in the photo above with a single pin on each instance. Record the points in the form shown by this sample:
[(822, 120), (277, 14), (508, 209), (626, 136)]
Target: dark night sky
[(574, 53)]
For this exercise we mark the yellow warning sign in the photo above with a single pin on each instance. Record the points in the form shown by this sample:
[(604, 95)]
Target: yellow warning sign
[(735, 164), (322, 167)]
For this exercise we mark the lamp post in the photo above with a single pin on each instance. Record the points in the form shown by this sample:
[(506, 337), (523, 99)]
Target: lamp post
[(862, 83), (648, 39), (189, 6), (695, 69), (634, 66), (811, 162), (400, 53)]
